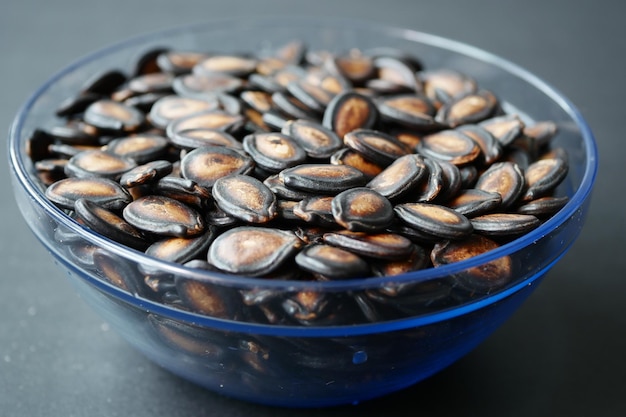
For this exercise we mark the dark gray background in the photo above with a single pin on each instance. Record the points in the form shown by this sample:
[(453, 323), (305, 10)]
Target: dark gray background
[(562, 354)]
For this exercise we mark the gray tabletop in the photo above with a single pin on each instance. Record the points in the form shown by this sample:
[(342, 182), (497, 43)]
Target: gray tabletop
[(562, 353)]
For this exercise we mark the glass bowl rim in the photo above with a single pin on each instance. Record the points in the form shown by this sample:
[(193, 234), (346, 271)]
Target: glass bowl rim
[(20, 171)]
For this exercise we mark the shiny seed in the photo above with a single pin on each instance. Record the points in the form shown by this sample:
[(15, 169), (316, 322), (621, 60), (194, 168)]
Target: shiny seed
[(109, 224), (164, 216), (505, 128), (180, 249), (323, 178), (376, 245), (313, 97), (452, 181), (445, 84), (347, 156), (278, 187), (417, 259), (504, 178), (449, 145), (490, 147), (252, 250), (245, 198), (543, 206), (472, 202), (430, 189), (142, 147), (207, 298), (213, 119), (98, 163), (106, 193), (172, 107), (543, 176), (308, 307), (274, 151), (110, 115), (316, 210), (316, 140), (207, 164), (362, 209), (483, 278), (331, 262), (470, 108), (379, 147), (184, 190), (434, 219), (146, 173), (349, 111), (401, 177), (197, 138), (237, 66), (504, 224), (409, 110)]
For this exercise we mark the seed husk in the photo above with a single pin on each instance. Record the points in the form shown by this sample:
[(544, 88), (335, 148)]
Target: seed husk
[(444, 84), (470, 108), (113, 116), (180, 249), (541, 132), (397, 71), (245, 198), (490, 147), (207, 164), (348, 111), (374, 245), (435, 220), (379, 147), (409, 110), (506, 128), (430, 189), (504, 224), (449, 145), (323, 178), (207, 298), (347, 156), (252, 251), (331, 262), (147, 173), (543, 206), (164, 216), (399, 178), (184, 190), (116, 271), (316, 210), (472, 202), (362, 209), (278, 187), (504, 178), (211, 119), (173, 107), (542, 176), (98, 163), (316, 140), (273, 151), (106, 193), (141, 148)]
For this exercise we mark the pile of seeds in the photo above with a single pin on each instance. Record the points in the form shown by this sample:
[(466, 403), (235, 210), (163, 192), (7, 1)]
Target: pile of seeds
[(298, 164)]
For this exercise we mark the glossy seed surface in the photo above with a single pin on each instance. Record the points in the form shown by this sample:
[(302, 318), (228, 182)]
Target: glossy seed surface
[(274, 152), (504, 178), (104, 192), (331, 262), (164, 216), (316, 140), (504, 224), (349, 111), (98, 163), (435, 220), (207, 164), (379, 147), (323, 178), (377, 245), (245, 198), (362, 209)]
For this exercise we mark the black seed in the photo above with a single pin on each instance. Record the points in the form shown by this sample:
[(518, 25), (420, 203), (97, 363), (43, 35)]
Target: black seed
[(207, 164), (106, 193), (323, 178), (378, 245), (435, 220), (164, 216), (362, 209), (348, 111), (331, 262), (245, 198)]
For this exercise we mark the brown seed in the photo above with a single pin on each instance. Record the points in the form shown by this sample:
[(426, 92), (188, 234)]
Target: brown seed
[(399, 178), (409, 110), (212, 119), (207, 164), (234, 65), (141, 147), (472, 202), (245, 198), (252, 250), (316, 140), (316, 210), (110, 115), (172, 107), (146, 173), (362, 209), (347, 156), (434, 219), (504, 178), (99, 164), (273, 151), (349, 111), (331, 262), (470, 108), (109, 224), (379, 147), (483, 278), (377, 245), (106, 193), (164, 216), (449, 145), (197, 138), (543, 176), (504, 224), (323, 178)]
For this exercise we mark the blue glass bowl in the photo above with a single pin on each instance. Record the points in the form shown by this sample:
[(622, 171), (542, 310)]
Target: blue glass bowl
[(325, 363)]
